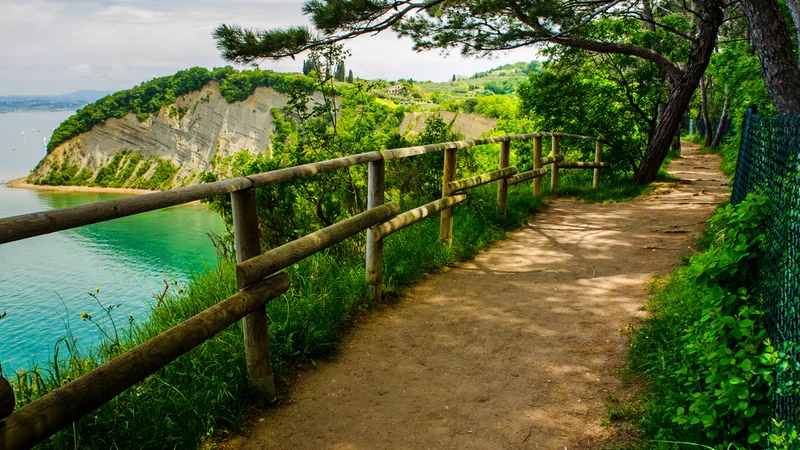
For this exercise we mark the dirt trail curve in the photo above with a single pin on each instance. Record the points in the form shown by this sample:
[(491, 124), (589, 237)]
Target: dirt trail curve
[(515, 349)]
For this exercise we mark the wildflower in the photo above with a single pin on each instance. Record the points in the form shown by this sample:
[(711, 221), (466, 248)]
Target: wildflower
[(85, 315), (97, 289)]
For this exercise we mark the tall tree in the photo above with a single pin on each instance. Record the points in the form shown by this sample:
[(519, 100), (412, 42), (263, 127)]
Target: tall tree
[(480, 27), (340, 72), (775, 48), (350, 76)]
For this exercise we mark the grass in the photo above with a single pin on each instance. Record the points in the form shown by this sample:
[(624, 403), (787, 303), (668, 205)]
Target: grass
[(204, 393)]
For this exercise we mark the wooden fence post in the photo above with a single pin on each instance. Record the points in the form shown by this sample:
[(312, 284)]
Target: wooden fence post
[(446, 221), (254, 325), (537, 155), (375, 198), (6, 399), (554, 173), (598, 157), (502, 185)]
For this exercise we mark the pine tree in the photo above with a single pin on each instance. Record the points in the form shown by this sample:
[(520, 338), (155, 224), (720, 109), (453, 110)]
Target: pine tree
[(340, 72), (350, 76)]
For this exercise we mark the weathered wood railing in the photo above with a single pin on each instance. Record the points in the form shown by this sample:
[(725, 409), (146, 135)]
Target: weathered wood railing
[(258, 275)]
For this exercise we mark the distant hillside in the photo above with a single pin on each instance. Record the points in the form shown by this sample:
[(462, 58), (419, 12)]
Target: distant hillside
[(73, 100), (500, 80), (77, 96)]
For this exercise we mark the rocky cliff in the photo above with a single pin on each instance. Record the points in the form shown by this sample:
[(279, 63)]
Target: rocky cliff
[(183, 139)]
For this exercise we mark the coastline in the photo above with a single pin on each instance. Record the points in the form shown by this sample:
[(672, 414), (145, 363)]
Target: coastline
[(22, 183)]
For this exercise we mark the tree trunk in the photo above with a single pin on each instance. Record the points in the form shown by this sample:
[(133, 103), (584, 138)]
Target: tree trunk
[(676, 142), (775, 50), (723, 118), (704, 111), (794, 9), (647, 11), (681, 94)]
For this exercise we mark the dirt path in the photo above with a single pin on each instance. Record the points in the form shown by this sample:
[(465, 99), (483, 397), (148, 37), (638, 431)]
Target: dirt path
[(516, 349)]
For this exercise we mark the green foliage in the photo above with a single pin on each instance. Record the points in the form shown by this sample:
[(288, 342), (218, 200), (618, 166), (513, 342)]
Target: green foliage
[(61, 174), (340, 72), (309, 129), (162, 177), (237, 86), (107, 174), (421, 177), (737, 73), (498, 106), (596, 107), (124, 170), (149, 97), (705, 351)]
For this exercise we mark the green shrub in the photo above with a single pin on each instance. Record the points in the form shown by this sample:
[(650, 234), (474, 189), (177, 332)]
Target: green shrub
[(705, 351), (162, 177), (106, 175)]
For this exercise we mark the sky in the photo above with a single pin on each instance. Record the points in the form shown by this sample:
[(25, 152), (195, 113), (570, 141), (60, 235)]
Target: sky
[(59, 46)]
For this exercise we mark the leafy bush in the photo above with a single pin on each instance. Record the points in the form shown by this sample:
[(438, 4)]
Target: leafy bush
[(705, 351)]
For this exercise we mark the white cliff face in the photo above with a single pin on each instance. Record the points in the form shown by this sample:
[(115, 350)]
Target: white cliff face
[(469, 125), (196, 128)]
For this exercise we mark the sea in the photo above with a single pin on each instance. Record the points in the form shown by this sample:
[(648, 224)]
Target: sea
[(52, 285)]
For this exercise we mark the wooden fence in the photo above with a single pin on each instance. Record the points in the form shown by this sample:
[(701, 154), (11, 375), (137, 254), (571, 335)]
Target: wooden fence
[(258, 275)]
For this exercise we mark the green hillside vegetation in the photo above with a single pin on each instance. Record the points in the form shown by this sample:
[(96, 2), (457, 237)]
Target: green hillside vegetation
[(501, 80), (462, 92)]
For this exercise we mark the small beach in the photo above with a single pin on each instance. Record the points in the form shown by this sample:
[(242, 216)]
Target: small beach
[(22, 183)]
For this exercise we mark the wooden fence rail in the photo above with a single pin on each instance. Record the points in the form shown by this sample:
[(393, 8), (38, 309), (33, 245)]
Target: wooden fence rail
[(259, 275)]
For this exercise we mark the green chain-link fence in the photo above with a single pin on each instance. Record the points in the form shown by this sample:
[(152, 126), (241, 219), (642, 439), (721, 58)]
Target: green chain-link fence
[(769, 162)]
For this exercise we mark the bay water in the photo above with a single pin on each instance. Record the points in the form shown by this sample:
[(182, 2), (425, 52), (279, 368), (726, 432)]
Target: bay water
[(45, 281)]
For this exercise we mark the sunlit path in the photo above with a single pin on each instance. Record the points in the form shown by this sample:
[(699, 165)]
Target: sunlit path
[(518, 348)]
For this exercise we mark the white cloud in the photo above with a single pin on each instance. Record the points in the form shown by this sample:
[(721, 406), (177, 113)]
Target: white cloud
[(80, 72), (56, 46)]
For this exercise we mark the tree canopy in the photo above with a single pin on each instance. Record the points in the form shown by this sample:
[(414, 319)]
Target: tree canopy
[(676, 37)]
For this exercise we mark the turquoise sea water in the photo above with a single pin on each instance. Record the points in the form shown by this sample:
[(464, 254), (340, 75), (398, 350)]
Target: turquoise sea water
[(44, 281)]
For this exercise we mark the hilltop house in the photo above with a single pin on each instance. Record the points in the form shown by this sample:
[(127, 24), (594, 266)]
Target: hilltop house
[(397, 89)]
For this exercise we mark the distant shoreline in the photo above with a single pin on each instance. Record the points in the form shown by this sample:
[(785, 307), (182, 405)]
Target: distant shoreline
[(22, 183)]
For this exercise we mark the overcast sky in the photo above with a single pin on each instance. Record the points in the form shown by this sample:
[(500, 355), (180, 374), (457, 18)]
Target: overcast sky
[(59, 46)]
